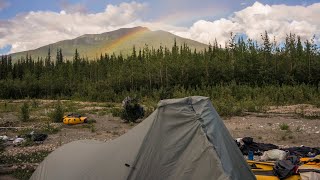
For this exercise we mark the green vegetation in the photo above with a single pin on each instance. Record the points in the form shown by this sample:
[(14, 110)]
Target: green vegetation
[(49, 129), (57, 114), (34, 157), (244, 76), (23, 174), (116, 112), (132, 111), (25, 112), (92, 128), (284, 126), (91, 121)]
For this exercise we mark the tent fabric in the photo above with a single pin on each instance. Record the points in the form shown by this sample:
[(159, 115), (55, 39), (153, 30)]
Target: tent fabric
[(182, 139)]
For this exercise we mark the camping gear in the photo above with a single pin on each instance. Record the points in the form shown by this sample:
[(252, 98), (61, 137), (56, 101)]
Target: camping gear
[(36, 137), (247, 144), (182, 139), (303, 151), (274, 154), (74, 118), (18, 140), (284, 169), (308, 168), (250, 155), (4, 138)]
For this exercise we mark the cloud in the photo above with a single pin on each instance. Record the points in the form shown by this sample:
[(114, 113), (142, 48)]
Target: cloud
[(73, 8), (36, 29), (277, 20), (4, 4)]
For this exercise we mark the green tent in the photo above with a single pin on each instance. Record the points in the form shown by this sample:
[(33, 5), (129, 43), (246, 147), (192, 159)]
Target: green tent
[(182, 139)]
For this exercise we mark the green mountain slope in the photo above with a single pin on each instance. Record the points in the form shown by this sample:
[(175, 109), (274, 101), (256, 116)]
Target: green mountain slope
[(118, 41)]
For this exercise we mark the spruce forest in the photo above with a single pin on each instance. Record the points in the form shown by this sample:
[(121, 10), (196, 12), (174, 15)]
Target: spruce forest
[(245, 75)]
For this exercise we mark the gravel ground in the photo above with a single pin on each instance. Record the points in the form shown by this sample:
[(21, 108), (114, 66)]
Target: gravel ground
[(263, 127)]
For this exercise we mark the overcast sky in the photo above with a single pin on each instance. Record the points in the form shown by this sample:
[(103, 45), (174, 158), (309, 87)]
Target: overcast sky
[(29, 24)]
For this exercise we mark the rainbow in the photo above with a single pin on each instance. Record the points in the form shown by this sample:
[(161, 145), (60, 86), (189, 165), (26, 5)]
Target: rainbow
[(127, 37)]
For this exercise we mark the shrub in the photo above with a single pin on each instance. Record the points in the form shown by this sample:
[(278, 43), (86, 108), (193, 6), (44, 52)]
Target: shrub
[(132, 111), (57, 114), (25, 112), (284, 126)]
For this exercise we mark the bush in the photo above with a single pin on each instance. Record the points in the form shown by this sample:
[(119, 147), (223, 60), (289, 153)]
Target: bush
[(57, 114), (284, 126), (25, 112), (132, 111)]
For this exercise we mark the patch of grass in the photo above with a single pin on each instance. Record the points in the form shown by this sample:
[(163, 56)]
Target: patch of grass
[(7, 106), (49, 129), (91, 121), (259, 137), (71, 106), (92, 128), (24, 131), (34, 157), (109, 105), (116, 112), (35, 103), (27, 142), (23, 174), (57, 114), (284, 126), (148, 112), (25, 112), (287, 135), (102, 113)]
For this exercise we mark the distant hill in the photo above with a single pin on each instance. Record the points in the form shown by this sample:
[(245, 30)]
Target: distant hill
[(118, 41)]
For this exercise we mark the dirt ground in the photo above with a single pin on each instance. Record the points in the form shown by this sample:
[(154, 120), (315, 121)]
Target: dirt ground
[(265, 128), (285, 126)]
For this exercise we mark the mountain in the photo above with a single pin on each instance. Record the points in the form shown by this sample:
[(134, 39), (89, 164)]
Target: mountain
[(118, 41)]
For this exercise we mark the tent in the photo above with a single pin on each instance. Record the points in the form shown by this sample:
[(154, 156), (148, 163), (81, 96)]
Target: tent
[(182, 139)]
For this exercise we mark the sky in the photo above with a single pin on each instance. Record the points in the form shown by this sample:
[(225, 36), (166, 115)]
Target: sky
[(29, 24)]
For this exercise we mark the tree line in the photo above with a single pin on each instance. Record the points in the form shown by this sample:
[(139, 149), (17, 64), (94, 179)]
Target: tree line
[(164, 72)]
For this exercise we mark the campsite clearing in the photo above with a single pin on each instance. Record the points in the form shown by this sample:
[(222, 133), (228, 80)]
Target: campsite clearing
[(284, 126)]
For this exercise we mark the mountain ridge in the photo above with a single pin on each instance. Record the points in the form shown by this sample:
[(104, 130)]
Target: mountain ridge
[(120, 41)]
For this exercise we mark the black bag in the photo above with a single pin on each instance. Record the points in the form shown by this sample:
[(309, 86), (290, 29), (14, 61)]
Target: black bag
[(283, 169)]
